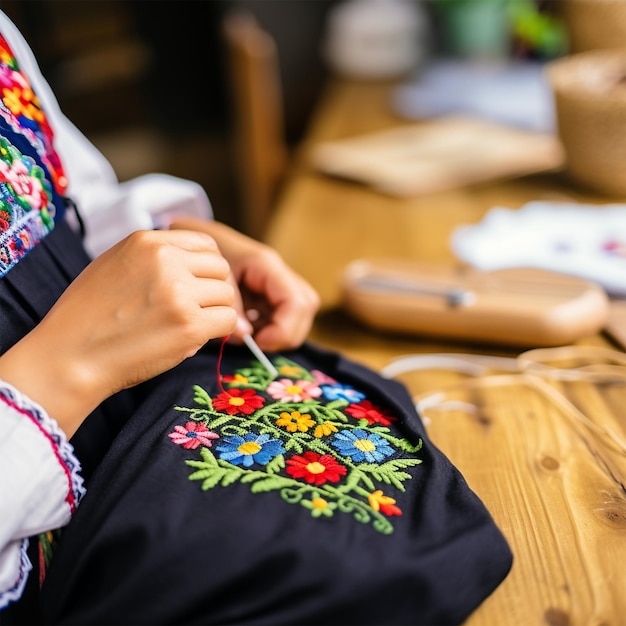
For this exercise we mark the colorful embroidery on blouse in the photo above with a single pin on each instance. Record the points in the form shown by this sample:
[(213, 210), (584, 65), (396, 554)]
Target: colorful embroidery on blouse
[(30, 169), (21, 109), (319, 444), (26, 207)]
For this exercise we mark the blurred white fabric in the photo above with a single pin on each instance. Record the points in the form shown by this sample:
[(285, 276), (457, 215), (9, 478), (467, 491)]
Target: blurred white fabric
[(511, 92), (588, 241)]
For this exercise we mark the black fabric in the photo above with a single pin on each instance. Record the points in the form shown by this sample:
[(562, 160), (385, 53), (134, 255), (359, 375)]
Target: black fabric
[(149, 546)]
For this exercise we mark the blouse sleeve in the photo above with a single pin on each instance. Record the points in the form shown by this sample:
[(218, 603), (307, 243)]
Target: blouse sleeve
[(40, 484), (109, 209)]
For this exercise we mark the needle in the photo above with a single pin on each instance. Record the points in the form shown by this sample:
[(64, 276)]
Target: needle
[(260, 355)]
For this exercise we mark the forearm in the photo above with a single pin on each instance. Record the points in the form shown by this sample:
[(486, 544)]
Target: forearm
[(51, 378)]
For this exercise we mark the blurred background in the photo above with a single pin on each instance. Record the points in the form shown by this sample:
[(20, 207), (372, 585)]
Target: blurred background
[(148, 81)]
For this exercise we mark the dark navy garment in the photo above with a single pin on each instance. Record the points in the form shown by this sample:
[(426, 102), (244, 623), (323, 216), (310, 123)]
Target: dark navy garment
[(312, 498)]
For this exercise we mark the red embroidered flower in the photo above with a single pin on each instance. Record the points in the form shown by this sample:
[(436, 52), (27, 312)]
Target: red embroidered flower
[(243, 401), (192, 435), (315, 468), (373, 414)]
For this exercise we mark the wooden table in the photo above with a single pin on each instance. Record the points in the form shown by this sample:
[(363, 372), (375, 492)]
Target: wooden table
[(548, 458)]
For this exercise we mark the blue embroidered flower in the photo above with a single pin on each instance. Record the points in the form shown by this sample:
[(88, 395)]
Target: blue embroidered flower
[(311, 452), (362, 446), (249, 449), (342, 392)]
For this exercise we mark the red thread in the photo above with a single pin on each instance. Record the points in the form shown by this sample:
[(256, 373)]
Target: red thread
[(219, 365)]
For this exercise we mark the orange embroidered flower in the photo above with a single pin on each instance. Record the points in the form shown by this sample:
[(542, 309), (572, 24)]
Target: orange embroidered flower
[(295, 421), (385, 504)]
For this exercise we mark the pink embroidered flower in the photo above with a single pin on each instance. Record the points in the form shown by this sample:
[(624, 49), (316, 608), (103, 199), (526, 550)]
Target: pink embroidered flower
[(192, 435), (365, 410), (286, 390), (315, 468), (322, 379), (23, 184), (242, 401)]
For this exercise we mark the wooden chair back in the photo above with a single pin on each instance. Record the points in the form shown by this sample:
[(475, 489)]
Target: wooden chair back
[(259, 133)]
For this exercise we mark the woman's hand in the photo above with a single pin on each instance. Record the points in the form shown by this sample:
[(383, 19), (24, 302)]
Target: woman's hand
[(136, 311), (279, 303)]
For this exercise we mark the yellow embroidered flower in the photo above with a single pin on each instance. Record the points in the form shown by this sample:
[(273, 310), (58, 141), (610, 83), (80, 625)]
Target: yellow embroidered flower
[(325, 429), (319, 503), (319, 506), (290, 370), (295, 421)]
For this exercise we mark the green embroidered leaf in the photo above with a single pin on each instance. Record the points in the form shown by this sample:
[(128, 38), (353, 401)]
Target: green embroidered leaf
[(211, 476), (355, 477), (207, 456), (208, 460), (201, 397), (293, 444), (269, 484), (407, 446), (222, 419), (252, 475), (276, 464), (389, 472), (318, 446), (231, 476), (400, 463)]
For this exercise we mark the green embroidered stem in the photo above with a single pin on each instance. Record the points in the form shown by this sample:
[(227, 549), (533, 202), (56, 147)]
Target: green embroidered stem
[(319, 453)]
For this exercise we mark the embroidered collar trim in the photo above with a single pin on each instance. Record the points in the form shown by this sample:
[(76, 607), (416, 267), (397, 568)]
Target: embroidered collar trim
[(32, 180)]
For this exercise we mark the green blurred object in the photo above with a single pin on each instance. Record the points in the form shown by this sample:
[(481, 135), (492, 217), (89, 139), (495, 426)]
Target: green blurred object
[(537, 33), (475, 28)]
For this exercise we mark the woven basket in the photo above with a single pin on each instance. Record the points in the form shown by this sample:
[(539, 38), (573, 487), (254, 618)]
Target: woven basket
[(590, 99), (594, 24)]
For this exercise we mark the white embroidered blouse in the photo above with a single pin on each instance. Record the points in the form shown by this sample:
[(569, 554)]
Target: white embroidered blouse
[(40, 483)]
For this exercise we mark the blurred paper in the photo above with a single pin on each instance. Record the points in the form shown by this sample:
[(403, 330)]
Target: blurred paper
[(434, 156), (587, 241), (514, 93)]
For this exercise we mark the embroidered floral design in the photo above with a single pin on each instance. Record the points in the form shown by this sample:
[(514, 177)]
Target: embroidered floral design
[(192, 435), (26, 207), (317, 443), (315, 468), (244, 401), (250, 449), (30, 169), (21, 110)]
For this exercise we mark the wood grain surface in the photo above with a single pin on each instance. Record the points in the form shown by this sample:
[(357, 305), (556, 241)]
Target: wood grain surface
[(547, 456)]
